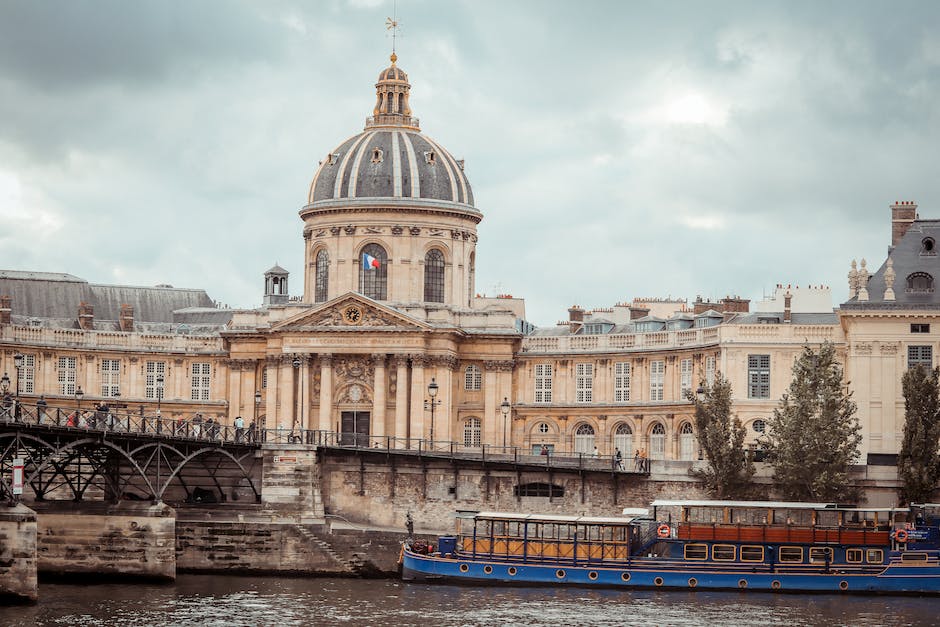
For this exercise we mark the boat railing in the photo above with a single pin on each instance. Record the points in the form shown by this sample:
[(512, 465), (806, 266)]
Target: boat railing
[(783, 533), (545, 549)]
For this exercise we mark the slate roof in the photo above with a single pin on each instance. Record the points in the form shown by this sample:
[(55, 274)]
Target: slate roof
[(57, 296), (909, 257), (822, 318)]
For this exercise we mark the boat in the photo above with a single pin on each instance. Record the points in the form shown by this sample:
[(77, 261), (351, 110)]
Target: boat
[(694, 544)]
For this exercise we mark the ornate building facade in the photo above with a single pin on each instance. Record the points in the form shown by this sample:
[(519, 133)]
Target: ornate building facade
[(388, 327)]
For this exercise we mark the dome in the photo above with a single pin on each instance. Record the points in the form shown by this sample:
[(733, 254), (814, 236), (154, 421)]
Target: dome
[(390, 163), (391, 158)]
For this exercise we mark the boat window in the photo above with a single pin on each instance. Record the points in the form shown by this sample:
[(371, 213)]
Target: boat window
[(696, 551), (711, 515), (749, 516), (820, 554), (752, 554), (853, 556), (827, 519), (723, 552), (793, 517), (875, 556), (913, 557), (791, 554)]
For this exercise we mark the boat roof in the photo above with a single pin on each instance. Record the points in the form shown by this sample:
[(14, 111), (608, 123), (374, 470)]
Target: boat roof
[(752, 504), (552, 518)]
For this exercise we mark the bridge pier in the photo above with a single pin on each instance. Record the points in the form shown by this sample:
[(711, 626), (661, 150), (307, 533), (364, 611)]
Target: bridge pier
[(126, 539), (290, 482), (18, 582)]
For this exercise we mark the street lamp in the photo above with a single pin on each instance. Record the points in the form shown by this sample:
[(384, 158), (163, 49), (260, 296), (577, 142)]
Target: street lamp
[(700, 393), (433, 388), (257, 404), (5, 387), (159, 391), (296, 364), (505, 407), (78, 399), (18, 364)]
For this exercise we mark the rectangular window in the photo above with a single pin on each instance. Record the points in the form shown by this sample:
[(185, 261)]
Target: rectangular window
[(685, 376), (696, 551), (875, 556), (200, 381), (621, 382), (758, 376), (853, 556), (908, 556), (156, 379), (791, 554), (710, 371), (752, 554), (584, 380), (657, 377), (473, 378), (264, 378), (919, 356), (920, 328), (543, 383), (110, 377), (67, 368), (723, 552), (27, 374), (820, 555)]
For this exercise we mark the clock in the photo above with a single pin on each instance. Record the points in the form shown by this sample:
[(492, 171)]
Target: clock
[(352, 315)]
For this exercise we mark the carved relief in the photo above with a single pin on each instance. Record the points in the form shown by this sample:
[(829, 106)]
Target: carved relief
[(863, 349), (367, 317), (334, 230), (889, 349), (414, 230), (372, 230), (499, 366), (435, 232), (397, 230), (392, 385), (455, 234), (350, 230), (349, 369), (465, 235), (319, 233), (356, 394)]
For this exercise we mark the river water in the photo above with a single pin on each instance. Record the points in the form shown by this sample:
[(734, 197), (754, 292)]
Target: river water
[(224, 600)]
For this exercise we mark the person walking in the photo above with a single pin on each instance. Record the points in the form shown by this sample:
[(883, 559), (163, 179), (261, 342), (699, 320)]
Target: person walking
[(595, 453), (239, 429), (41, 410), (618, 459)]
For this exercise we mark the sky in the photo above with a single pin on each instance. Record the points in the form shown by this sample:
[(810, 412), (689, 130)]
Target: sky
[(616, 149)]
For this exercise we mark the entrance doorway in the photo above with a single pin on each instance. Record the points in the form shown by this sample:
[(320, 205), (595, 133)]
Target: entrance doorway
[(354, 428)]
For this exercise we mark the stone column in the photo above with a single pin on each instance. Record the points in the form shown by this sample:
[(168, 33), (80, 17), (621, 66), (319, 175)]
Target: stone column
[(326, 392), (234, 390), (270, 394), (401, 398), (379, 399), (285, 394), (418, 393), (304, 385)]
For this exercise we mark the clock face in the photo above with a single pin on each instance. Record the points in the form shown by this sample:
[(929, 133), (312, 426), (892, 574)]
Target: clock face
[(352, 315)]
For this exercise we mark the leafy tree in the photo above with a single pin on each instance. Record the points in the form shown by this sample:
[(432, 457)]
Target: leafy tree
[(729, 470), (918, 461), (814, 434)]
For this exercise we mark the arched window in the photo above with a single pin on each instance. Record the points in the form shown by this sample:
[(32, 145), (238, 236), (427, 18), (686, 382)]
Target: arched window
[(322, 281), (543, 428), (473, 378), (623, 439), (919, 282), (434, 276), (373, 282), (658, 442), (759, 426), (472, 433), (686, 442), (584, 439)]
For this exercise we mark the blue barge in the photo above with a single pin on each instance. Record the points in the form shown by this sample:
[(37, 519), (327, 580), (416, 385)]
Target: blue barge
[(710, 545)]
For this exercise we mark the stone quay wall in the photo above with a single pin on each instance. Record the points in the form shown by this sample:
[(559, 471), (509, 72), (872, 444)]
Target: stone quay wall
[(18, 563), (107, 539)]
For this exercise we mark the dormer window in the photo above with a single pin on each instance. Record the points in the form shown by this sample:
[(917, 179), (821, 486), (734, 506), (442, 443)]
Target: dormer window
[(331, 158), (377, 155), (919, 283), (429, 157), (928, 247)]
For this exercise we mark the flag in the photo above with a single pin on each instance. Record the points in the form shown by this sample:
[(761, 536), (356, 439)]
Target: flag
[(369, 262)]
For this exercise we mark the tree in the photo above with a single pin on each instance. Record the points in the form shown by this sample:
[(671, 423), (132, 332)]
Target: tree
[(729, 470), (814, 434), (918, 461)]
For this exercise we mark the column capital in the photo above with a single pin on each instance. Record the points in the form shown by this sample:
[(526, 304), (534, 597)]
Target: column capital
[(400, 361), (326, 359), (379, 359), (499, 365)]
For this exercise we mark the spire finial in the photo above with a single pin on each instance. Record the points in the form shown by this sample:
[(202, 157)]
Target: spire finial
[(391, 23)]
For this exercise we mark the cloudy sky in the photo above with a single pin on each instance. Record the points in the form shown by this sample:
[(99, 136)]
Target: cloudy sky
[(616, 149)]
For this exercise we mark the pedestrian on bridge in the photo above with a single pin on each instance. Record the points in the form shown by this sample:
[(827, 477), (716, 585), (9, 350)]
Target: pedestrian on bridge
[(41, 410), (239, 429)]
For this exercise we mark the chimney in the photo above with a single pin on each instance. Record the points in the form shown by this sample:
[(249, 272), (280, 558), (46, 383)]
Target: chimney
[(126, 319), (786, 306), (86, 316), (903, 214), (735, 304), (701, 306), (6, 309), (575, 318), (638, 312)]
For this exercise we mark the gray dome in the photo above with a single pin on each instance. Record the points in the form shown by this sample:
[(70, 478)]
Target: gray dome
[(390, 162)]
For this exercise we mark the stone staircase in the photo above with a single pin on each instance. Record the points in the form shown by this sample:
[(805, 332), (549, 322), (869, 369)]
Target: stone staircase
[(353, 564)]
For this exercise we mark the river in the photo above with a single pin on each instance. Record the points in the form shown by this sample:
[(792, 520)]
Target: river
[(226, 600)]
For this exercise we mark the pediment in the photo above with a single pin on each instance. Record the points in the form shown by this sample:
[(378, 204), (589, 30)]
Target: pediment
[(351, 312)]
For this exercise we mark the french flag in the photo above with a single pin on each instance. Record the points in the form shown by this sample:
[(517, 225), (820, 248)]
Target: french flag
[(369, 262)]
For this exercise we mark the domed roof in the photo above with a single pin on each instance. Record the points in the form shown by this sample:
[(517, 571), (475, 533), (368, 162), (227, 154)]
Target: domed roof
[(391, 158)]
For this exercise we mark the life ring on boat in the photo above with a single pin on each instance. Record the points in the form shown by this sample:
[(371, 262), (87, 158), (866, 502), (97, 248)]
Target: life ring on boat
[(663, 531), (900, 536)]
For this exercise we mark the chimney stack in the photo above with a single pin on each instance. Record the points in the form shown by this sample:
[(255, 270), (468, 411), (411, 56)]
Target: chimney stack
[(638, 312), (903, 214), (786, 306), (86, 316), (126, 320), (6, 309), (575, 318)]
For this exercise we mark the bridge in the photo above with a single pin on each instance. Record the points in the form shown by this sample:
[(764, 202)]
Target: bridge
[(74, 454)]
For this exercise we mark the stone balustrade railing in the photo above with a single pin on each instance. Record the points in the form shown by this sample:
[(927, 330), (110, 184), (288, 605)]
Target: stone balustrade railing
[(77, 338)]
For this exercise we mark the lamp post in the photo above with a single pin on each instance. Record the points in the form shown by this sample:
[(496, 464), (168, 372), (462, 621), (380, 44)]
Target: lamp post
[(257, 405), (78, 399), (159, 392), (505, 407), (296, 364), (433, 388), (5, 388), (18, 364)]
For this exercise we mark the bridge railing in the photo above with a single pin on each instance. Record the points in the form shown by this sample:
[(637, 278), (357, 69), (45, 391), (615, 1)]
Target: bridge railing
[(116, 421)]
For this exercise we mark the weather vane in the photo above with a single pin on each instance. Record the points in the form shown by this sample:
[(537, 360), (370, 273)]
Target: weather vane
[(391, 23)]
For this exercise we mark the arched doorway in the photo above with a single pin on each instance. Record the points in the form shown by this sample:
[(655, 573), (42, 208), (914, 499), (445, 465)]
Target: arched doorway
[(686, 442), (584, 439), (658, 441)]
